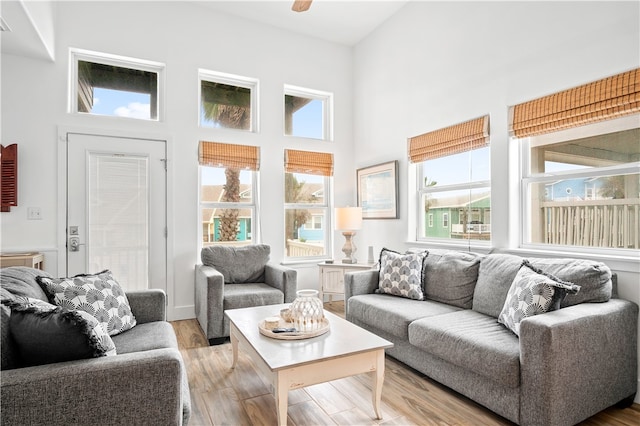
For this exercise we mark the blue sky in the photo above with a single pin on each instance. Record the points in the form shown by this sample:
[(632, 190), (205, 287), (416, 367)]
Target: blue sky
[(120, 103)]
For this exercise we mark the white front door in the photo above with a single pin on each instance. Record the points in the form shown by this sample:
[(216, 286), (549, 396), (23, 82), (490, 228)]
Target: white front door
[(116, 209)]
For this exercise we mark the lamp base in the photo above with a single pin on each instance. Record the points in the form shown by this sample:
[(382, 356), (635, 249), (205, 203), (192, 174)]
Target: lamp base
[(349, 247)]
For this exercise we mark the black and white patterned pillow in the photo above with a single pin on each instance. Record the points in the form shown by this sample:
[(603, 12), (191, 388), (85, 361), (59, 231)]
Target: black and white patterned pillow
[(99, 295), (45, 333), (532, 292), (401, 274)]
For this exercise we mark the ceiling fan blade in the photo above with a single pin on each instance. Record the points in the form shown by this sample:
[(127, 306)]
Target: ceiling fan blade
[(301, 5)]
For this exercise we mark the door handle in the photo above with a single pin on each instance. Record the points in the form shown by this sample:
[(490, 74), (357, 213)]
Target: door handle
[(74, 244)]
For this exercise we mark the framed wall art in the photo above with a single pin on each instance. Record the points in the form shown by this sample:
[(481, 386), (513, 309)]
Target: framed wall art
[(378, 191)]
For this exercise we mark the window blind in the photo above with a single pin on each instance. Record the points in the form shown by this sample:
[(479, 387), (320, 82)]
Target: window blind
[(308, 162), (218, 154), (600, 100), (450, 140)]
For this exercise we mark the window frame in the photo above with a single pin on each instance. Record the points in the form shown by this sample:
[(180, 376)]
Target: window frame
[(527, 179), (254, 206), (253, 84), (327, 207), (327, 109), (76, 55)]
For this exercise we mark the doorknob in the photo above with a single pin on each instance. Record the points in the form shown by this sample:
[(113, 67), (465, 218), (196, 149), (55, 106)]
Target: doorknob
[(74, 244)]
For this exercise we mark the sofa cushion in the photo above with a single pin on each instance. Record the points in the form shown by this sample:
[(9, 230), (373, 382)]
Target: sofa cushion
[(532, 292), (450, 276), (393, 314), (594, 278), (146, 337), (98, 294), (401, 274), (238, 264), (44, 333), (473, 341), (253, 294), (495, 275)]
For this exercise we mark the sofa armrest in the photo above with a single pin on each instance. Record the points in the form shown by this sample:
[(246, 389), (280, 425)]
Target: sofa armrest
[(282, 278), (577, 361), (359, 282), (141, 388), (148, 305), (209, 289)]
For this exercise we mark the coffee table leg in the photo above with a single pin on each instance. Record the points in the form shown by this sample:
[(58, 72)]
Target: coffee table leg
[(234, 348), (378, 379), (282, 401)]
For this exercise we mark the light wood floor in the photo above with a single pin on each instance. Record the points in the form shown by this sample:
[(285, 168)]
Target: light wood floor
[(221, 396)]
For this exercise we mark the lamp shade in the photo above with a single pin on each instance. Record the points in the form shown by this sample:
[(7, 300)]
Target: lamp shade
[(348, 218)]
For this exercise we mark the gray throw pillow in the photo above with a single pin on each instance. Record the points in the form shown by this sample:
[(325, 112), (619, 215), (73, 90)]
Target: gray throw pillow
[(44, 333), (450, 276), (401, 274), (238, 265), (532, 292), (99, 295)]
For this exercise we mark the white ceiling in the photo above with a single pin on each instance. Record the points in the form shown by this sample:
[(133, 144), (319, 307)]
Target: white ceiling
[(339, 21)]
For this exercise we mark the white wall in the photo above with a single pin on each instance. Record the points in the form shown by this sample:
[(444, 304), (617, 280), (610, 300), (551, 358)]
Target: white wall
[(434, 64), (185, 36)]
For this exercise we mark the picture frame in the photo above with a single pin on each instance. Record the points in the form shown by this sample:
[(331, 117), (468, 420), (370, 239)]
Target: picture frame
[(378, 191)]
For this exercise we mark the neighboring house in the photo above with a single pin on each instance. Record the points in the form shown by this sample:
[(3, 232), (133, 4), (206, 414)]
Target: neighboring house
[(574, 189), (459, 217), (211, 219)]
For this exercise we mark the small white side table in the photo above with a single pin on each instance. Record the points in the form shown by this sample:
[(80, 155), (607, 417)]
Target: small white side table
[(332, 277)]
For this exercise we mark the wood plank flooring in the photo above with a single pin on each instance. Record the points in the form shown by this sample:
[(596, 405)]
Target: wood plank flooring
[(221, 396)]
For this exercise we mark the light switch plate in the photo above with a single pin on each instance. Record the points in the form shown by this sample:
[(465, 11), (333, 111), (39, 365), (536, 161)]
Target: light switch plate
[(34, 213)]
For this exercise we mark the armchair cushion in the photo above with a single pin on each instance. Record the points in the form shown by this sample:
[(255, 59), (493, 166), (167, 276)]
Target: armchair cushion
[(45, 333), (238, 264), (98, 294)]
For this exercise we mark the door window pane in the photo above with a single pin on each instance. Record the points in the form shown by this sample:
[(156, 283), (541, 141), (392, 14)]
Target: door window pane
[(118, 219)]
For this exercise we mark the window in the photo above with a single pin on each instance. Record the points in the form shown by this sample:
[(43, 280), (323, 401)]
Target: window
[(228, 200), (228, 101), (581, 166), (454, 189), (112, 85), (308, 113), (307, 205)]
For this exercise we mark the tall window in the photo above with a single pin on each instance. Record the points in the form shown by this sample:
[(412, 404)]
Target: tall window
[(581, 165), (112, 85), (308, 113), (228, 199), (454, 187), (307, 203), (228, 101)]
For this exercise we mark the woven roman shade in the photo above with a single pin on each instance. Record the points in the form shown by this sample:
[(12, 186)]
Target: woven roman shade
[(450, 140), (308, 162), (218, 154), (604, 99)]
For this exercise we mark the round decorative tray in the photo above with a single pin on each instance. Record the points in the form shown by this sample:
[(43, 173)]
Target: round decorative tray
[(296, 335)]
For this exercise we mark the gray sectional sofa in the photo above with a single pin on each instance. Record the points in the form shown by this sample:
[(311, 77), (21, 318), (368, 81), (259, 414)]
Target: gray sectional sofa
[(145, 383), (565, 366)]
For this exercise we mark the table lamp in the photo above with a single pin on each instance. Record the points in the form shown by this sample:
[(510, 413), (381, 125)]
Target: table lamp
[(348, 220)]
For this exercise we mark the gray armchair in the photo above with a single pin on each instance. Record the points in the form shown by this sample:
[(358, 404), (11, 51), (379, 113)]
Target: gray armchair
[(238, 277)]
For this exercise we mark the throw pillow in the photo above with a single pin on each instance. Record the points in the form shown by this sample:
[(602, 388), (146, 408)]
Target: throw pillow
[(99, 295), (532, 292), (45, 333), (401, 274)]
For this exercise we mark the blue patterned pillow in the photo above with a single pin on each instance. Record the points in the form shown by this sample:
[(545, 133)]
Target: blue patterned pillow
[(44, 333), (99, 295), (532, 292), (401, 274)]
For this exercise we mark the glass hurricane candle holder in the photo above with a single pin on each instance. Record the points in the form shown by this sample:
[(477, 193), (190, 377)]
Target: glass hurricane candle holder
[(306, 310)]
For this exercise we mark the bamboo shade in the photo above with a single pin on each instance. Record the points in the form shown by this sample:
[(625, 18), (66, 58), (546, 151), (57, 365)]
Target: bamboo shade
[(600, 100), (450, 140), (307, 162), (218, 154)]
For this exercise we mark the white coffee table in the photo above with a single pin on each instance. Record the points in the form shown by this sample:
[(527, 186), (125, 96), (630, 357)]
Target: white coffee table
[(346, 350)]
